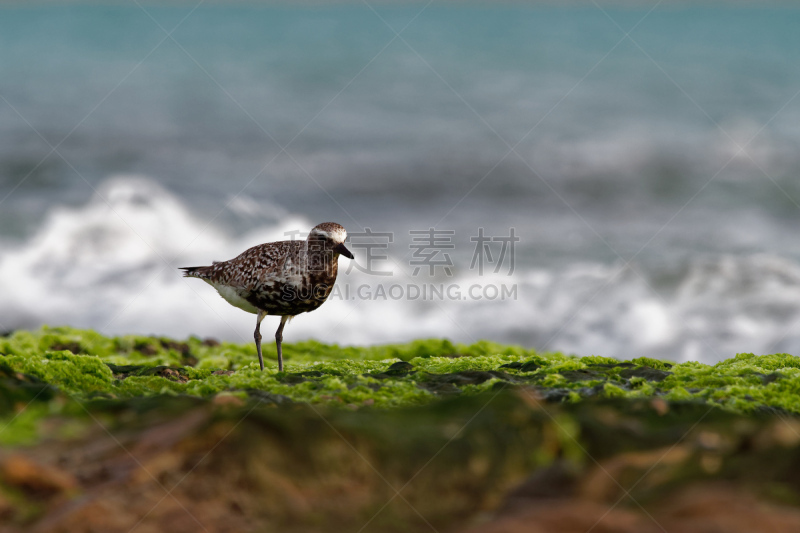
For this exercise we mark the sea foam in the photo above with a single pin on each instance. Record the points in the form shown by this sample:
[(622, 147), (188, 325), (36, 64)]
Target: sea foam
[(111, 265)]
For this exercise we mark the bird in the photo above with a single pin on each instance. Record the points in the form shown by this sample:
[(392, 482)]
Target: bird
[(283, 278)]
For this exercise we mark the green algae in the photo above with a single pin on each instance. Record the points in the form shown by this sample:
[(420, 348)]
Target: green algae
[(84, 365)]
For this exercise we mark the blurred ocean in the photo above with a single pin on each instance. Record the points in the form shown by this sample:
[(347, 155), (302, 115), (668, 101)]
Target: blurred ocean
[(653, 180)]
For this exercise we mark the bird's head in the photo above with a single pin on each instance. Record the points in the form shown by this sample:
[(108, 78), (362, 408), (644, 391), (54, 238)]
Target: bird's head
[(332, 236)]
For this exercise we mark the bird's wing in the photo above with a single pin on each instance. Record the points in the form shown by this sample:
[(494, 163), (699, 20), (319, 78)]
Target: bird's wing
[(264, 261)]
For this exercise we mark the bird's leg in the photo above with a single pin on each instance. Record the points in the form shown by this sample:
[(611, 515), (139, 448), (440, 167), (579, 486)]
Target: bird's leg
[(257, 336), (279, 340)]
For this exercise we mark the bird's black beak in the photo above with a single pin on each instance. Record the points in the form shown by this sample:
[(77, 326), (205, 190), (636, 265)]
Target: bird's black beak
[(342, 249)]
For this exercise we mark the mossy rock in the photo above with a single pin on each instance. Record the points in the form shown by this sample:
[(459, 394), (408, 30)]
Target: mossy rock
[(90, 365)]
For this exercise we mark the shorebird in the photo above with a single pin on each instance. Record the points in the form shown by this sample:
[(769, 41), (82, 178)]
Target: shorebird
[(282, 278)]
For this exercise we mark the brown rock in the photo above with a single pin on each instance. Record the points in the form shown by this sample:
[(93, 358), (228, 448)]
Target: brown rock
[(36, 478)]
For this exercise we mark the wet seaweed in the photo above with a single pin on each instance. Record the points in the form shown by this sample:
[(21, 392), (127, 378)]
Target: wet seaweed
[(86, 365)]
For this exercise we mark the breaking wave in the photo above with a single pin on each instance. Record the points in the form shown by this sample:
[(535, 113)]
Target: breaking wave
[(111, 265)]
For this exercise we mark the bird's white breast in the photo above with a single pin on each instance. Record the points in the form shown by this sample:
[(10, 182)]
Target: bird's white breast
[(230, 295)]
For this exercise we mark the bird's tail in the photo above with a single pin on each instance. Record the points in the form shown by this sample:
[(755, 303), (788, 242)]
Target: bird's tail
[(196, 272)]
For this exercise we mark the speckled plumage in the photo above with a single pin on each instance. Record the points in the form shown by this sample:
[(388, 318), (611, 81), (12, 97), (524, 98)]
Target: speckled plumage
[(282, 278)]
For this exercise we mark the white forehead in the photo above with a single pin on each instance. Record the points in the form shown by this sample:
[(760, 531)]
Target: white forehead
[(338, 235)]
